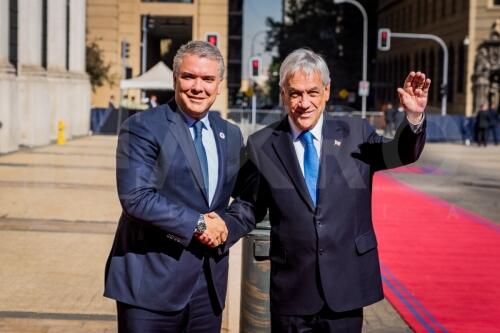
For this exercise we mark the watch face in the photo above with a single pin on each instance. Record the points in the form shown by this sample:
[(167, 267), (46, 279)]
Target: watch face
[(201, 226)]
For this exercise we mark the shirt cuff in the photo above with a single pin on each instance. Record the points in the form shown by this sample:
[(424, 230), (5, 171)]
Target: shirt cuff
[(416, 128)]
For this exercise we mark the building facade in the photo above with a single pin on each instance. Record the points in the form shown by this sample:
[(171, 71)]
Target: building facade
[(462, 24), (42, 72), (154, 29)]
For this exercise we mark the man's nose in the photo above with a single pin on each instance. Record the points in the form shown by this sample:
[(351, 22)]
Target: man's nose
[(305, 101), (197, 85)]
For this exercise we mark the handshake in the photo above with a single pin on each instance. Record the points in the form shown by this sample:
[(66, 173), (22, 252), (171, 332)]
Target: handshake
[(216, 231)]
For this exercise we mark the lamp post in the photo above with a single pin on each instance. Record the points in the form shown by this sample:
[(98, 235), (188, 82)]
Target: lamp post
[(365, 47), (254, 97)]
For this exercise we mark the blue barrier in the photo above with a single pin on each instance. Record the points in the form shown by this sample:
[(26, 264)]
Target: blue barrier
[(452, 128)]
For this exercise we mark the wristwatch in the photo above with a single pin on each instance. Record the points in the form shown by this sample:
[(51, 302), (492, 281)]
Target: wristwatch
[(200, 225)]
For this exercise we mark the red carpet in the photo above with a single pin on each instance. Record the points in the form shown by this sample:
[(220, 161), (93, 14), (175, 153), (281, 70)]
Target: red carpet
[(440, 263)]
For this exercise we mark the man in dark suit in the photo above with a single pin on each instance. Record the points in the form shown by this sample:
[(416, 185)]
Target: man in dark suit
[(313, 173), (175, 163)]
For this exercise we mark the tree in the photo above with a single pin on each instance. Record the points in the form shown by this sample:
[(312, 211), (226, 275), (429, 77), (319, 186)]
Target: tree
[(97, 69), (320, 26)]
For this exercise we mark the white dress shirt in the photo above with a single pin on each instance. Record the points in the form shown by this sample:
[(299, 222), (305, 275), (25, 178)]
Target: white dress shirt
[(316, 132)]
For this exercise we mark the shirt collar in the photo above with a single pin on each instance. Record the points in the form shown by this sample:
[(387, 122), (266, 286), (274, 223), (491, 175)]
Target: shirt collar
[(316, 131), (190, 120)]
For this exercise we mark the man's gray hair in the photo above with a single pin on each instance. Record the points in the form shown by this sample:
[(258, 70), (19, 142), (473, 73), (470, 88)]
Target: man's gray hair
[(201, 49), (306, 61)]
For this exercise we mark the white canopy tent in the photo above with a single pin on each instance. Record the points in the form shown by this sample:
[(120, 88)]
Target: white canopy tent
[(159, 77)]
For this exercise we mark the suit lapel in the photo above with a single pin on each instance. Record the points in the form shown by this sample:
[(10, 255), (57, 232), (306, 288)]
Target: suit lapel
[(181, 133), (219, 130), (284, 149)]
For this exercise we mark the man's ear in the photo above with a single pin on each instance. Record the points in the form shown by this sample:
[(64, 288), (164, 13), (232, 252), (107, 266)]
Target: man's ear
[(219, 88), (327, 92), (175, 80)]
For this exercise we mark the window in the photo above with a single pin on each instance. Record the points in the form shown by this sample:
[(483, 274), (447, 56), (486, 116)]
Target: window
[(424, 17), (67, 33), (434, 10), (443, 8), (432, 75), (44, 34), (418, 13), (451, 74), (13, 16), (461, 69)]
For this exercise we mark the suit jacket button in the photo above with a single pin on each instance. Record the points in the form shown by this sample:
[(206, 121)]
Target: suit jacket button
[(321, 252)]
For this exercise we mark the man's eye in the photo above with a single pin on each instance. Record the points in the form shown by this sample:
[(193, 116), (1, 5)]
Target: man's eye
[(209, 79), (314, 94)]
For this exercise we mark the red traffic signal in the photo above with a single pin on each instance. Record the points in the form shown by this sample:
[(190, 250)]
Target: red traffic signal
[(255, 67), (384, 39), (212, 38)]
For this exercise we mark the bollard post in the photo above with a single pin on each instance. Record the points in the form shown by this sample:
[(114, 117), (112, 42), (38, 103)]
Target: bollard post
[(255, 316), (60, 133)]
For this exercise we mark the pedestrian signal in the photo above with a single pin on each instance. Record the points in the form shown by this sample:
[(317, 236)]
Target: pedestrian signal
[(384, 39)]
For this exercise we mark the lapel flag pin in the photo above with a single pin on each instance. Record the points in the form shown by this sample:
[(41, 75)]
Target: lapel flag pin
[(337, 143), (222, 135)]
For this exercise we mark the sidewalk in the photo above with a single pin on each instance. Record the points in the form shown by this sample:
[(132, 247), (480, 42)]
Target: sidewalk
[(58, 214)]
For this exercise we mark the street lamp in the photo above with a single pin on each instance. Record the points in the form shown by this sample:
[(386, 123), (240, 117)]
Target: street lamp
[(365, 48), (252, 77)]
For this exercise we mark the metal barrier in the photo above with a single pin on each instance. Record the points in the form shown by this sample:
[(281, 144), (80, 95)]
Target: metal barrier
[(242, 117)]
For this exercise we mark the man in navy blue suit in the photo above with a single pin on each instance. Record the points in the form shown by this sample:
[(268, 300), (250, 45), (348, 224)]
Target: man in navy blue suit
[(175, 163), (313, 173)]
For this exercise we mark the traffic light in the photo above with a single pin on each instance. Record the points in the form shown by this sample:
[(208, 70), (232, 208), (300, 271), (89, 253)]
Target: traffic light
[(255, 63), (212, 38), (125, 49), (384, 39)]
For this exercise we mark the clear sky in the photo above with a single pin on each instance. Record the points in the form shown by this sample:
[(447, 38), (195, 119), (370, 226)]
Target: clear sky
[(255, 13)]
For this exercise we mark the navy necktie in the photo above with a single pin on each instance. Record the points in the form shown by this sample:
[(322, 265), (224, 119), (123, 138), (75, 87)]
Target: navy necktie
[(311, 164), (200, 151)]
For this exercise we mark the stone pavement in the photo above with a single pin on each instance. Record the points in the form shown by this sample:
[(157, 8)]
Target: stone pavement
[(58, 213)]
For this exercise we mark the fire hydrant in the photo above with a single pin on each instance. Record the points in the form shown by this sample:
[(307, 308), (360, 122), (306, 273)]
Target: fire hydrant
[(60, 133)]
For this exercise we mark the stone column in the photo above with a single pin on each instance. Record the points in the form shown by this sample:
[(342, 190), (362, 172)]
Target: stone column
[(32, 82), (9, 139), (57, 77), (80, 95)]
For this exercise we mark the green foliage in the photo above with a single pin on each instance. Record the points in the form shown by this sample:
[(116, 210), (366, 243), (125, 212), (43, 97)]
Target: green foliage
[(97, 69), (319, 25)]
